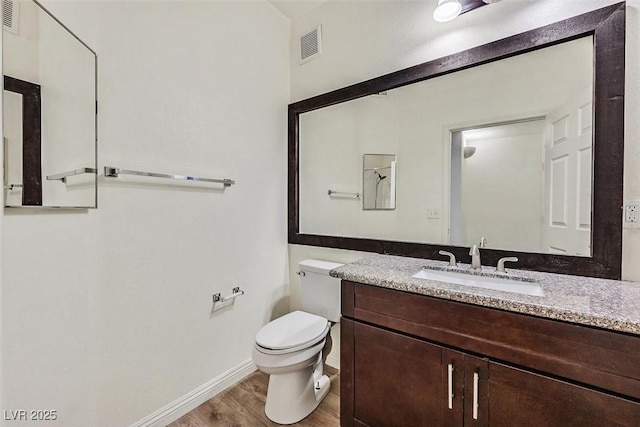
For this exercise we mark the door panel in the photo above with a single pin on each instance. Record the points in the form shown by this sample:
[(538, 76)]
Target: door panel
[(476, 391), (568, 177), (520, 398), (396, 379), (453, 397)]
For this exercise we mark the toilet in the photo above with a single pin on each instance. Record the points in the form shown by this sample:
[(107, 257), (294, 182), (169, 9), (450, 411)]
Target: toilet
[(290, 348)]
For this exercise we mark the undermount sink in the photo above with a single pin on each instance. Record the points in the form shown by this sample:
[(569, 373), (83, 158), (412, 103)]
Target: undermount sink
[(478, 281)]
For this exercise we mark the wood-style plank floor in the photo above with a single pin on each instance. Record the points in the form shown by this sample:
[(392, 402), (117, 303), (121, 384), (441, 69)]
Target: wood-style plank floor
[(243, 406)]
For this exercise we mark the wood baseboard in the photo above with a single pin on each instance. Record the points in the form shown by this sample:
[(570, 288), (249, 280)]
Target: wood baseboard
[(193, 399)]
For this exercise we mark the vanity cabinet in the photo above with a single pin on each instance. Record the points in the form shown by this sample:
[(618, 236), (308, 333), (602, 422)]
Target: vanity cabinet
[(413, 360)]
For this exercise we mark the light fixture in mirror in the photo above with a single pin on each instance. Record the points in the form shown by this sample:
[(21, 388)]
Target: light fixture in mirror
[(581, 186), (379, 182), (49, 112)]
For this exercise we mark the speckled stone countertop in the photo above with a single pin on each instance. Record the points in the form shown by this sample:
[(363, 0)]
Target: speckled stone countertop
[(609, 304)]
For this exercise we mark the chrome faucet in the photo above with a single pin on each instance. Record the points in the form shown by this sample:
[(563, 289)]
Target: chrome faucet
[(452, 258), (475, 258), (501, 261)]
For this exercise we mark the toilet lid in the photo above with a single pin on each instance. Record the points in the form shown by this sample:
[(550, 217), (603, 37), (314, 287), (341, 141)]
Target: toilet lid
[(292, 330)]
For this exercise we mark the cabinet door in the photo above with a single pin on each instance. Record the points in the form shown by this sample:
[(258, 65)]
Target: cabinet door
[(398, 380), (476, 392), (453, 375), (521, 398)]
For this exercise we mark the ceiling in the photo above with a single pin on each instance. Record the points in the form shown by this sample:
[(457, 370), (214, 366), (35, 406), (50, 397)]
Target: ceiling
[(295, 8)]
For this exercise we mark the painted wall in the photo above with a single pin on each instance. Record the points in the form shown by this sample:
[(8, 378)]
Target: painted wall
[(107, 313), (365, 40)]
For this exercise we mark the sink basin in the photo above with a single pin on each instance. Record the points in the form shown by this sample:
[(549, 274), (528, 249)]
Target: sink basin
[(486, 282)]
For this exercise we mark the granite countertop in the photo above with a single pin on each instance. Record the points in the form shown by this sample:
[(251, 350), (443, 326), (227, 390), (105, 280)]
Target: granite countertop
[(608, 304)]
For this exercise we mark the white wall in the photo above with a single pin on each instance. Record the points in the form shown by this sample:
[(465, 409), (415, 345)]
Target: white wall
[(107, 313), (362, 40)]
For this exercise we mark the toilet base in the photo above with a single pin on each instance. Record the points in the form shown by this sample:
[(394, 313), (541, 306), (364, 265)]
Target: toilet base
[(292, 396)]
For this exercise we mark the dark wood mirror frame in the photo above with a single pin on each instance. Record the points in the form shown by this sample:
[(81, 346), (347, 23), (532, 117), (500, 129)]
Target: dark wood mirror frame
[(31, 139), (607, 26)]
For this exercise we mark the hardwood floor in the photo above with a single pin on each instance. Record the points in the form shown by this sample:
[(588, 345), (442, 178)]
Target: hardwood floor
[(243, 405)]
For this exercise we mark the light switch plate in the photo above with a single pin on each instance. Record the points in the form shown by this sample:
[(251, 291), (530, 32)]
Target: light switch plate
[(631, 214), (433, 213)]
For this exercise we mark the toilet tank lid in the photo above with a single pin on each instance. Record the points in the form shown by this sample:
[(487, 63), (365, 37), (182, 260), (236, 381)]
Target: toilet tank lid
[(318, 266)]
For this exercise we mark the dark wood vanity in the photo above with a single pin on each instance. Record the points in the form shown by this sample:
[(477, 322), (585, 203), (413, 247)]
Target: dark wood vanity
[(416, 360)]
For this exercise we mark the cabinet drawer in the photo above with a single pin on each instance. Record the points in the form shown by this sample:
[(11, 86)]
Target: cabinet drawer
[(600, 358)]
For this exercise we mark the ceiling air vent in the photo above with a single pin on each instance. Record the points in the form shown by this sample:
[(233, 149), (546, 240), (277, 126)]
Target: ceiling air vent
[(310, 45), (10, 16)]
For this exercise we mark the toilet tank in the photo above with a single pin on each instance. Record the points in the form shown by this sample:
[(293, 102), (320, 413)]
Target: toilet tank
[(320, 293)]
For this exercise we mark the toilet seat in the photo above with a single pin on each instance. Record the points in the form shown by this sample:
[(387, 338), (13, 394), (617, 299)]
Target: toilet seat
[(291, 333)]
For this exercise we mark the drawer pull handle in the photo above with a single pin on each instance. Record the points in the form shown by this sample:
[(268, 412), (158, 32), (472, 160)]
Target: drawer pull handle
[(476, 379), (450, 385)]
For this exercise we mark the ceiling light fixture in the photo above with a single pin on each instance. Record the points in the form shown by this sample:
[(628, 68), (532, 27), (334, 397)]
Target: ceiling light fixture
[(447, 10)]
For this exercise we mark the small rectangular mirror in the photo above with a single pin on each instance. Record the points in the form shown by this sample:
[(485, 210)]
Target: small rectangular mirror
[(379, 182), (49, 112)]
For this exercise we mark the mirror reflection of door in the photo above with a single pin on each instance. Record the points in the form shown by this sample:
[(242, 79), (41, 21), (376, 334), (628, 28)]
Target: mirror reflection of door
[(525, 185), (497, 186), (568, 164)]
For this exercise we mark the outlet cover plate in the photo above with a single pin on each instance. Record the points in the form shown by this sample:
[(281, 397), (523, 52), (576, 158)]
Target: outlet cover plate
[(631, 214), (433, 213)]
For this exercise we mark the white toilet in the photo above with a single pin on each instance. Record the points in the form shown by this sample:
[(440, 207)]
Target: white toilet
[(289, 348)]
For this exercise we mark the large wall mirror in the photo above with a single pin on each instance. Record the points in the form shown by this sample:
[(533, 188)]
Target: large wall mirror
[(49, 111), (516, 146)]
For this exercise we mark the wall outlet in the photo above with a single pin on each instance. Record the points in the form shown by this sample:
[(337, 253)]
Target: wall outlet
[(433, 213), (631, 214)]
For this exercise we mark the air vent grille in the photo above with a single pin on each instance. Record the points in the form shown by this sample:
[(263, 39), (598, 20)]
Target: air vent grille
[(10, 16), (310, 45)]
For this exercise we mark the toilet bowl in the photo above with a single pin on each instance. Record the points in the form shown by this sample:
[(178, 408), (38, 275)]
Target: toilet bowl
[(291, 348)]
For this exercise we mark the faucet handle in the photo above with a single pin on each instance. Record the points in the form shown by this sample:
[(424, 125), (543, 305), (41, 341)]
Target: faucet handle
[(501, 261), (474, 250), (452, 258)]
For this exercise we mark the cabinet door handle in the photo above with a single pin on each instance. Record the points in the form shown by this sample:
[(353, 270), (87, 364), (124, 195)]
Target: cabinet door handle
[(450, 385), (476, 379)]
